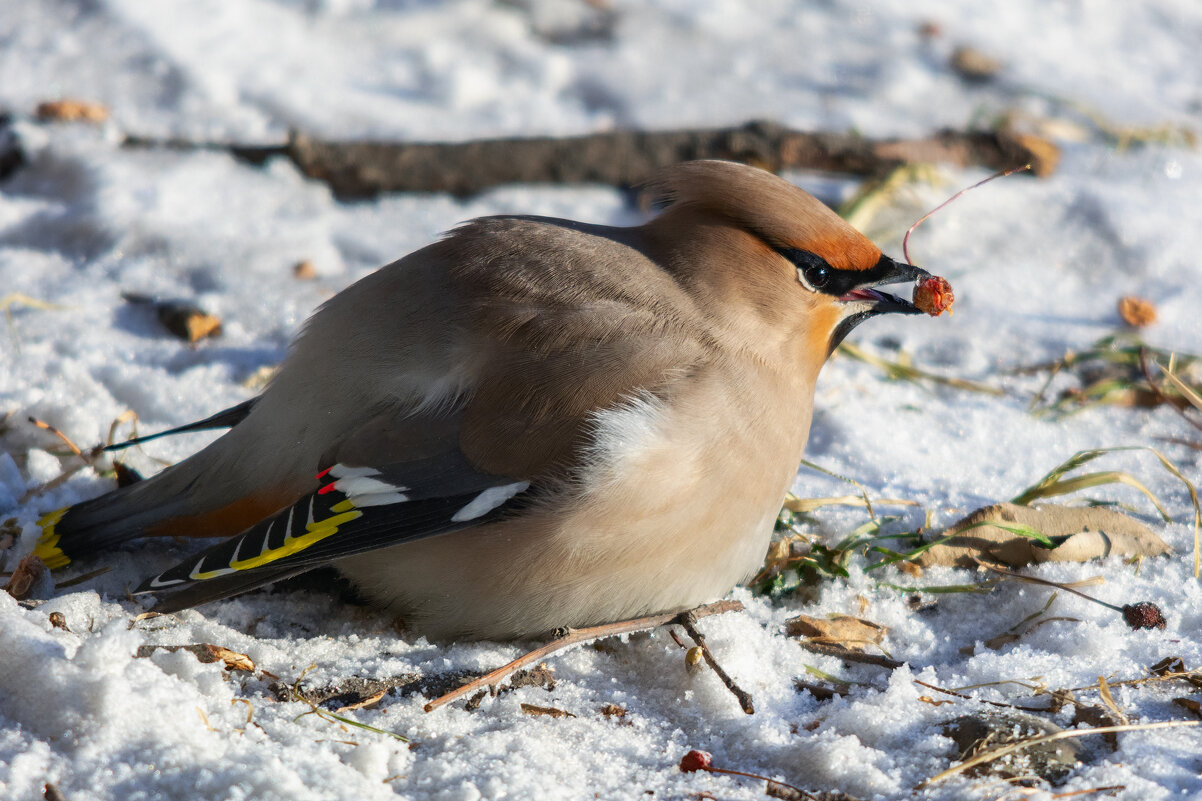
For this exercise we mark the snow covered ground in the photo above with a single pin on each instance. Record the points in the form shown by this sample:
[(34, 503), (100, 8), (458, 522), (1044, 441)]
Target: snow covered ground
[(1038, 266)]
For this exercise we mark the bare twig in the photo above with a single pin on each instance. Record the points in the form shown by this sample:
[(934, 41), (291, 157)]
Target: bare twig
[(688, 621), (967, 697), (571, 637), (358, 169)]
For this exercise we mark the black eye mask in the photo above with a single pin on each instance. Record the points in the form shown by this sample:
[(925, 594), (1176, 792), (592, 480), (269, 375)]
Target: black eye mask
[(821, 277)]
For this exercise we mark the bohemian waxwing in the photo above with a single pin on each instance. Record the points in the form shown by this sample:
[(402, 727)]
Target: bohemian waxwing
[(531, 423)]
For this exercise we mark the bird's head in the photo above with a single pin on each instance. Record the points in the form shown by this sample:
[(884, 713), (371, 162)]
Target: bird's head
[(772, 258)]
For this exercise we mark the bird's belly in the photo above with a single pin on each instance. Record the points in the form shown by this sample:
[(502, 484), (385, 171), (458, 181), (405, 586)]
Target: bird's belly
[(665, 518)]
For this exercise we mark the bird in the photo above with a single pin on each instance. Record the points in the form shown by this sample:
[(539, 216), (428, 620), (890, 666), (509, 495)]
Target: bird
[(531, 423)]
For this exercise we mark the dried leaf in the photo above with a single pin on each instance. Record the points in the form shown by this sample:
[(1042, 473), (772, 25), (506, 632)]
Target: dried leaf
[(304, 270), (985, 730), (1137, 312), (1190, 704), (1098, 717), (180, 317), (548, 711), (1077, 534), (206, 653), (24, 580), (853, 632)]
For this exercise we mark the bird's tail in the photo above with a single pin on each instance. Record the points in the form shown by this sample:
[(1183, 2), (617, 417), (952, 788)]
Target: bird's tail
[(177, 501), (101, 523)]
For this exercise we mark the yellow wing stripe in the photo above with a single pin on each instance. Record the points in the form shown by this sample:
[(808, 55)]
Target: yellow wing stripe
[(47, 546), (316, 531)]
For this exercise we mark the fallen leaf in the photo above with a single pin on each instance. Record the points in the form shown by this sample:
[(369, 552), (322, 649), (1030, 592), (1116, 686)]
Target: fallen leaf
[(548, 711), (1080, 534), (205, 652), (180, 317), (24, 580), (1137, 312), (1190, 704), (852, 632), (987, 730), (304, 271)]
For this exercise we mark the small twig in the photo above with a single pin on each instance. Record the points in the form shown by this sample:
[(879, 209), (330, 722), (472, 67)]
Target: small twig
[(997, 753), (967, 697), (66, 440), (86, 459), (1091, 790), (688, 621), (923, 218), (571, 637), (1046, 583)]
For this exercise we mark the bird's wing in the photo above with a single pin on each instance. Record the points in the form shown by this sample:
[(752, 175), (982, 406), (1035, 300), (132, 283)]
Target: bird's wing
[(567, 324), (356, 509)]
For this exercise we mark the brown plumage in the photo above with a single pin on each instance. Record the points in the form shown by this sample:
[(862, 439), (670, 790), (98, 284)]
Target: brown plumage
[(531, 423)]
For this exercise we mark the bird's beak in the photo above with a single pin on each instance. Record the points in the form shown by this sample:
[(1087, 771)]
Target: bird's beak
[(865, 301), (886, 271)]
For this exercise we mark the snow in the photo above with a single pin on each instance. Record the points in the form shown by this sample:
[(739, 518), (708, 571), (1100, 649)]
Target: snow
[(1037, 265)]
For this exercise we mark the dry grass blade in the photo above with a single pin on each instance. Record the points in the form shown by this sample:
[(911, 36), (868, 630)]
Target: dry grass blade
[(997, 753), (906, 372), (1187, 392), (1070, 485), (845, 479)]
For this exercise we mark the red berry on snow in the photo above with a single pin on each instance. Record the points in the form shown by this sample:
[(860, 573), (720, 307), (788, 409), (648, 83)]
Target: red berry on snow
[(1143, 615), (696, 760)]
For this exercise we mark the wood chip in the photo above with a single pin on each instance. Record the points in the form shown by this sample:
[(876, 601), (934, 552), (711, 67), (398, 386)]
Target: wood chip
[(71, 110)]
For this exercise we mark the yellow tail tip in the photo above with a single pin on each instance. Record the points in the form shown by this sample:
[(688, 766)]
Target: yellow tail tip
[(47, 546)]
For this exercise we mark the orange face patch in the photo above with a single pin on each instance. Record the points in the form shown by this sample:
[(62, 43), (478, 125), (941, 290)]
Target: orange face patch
[(844, 251)]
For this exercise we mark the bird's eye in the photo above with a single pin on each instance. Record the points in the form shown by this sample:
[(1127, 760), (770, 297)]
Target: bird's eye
[(817, 276), (813, 272)]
